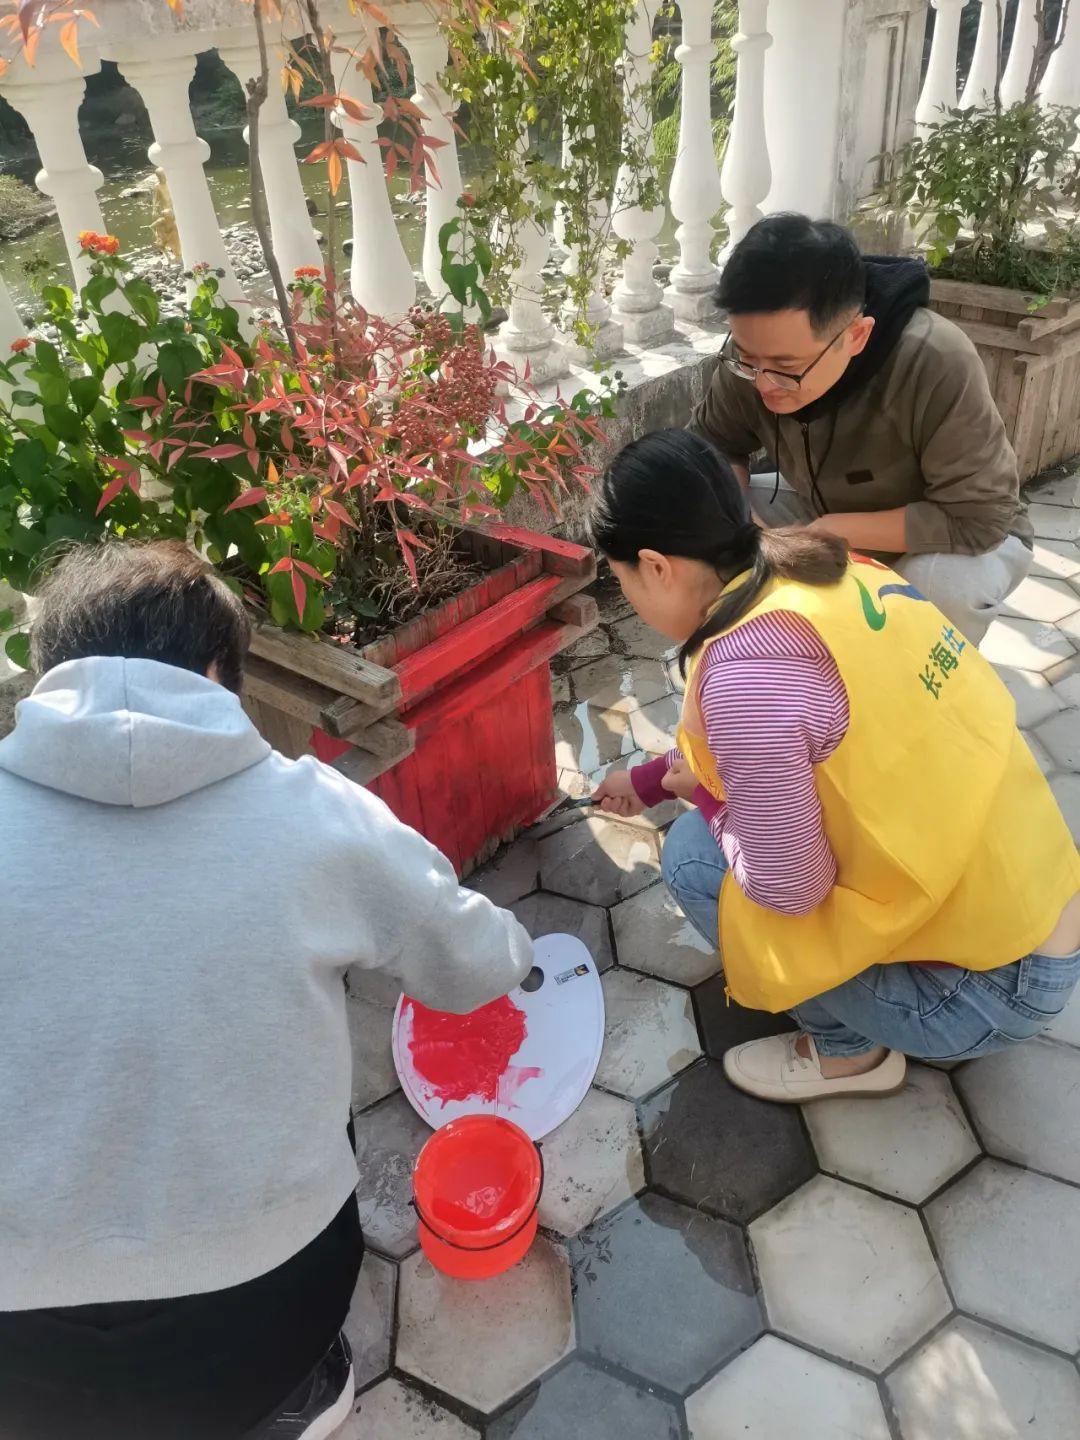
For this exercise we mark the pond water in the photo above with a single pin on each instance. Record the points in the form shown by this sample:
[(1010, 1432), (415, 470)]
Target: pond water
[(121, 156)]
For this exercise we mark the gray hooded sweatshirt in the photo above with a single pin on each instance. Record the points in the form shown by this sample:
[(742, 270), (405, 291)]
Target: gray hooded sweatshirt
[(180, 904)]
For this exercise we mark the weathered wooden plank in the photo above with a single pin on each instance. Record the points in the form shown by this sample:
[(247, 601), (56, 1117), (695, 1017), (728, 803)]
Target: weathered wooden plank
[(1036, 326), (475, 639), (1058, 347), (581, 611), (996, 297), (339, 667), (1004, 338), (560, 557), (363, 766)]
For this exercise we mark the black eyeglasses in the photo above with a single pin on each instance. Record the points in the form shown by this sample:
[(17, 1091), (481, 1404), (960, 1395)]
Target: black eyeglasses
[(780, 378)]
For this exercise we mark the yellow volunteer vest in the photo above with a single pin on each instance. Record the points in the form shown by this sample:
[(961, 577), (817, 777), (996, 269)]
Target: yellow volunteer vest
[(948, 842)]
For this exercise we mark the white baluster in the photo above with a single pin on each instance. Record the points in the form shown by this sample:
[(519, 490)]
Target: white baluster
[(939, 87), (1061, 83), (527, 337), (638, 300), (294, 239), (1025, 37), (429, 49), (746, 178), (606, 335), (982, 77), (162, 75), (48, 97), (380, 275), (695, 193)]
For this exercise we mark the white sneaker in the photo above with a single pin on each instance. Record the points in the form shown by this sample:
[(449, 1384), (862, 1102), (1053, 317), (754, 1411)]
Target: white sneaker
[(773, 1069)]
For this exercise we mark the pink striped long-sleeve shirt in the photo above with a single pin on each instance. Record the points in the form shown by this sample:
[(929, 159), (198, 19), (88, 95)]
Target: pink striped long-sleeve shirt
[(774, 706)]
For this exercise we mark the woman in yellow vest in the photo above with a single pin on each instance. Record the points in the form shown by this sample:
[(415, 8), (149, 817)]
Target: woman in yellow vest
[(873, 848)]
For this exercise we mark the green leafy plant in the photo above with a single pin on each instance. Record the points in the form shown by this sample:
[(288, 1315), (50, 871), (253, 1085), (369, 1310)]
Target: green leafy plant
[(325, 476), (542, 84), (979, 183)]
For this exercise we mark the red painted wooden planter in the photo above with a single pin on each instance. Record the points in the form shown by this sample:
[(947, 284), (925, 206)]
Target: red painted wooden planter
[(475, 697)]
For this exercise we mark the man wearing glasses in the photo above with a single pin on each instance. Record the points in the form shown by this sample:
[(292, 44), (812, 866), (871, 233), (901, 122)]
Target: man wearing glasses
[(876, 411)]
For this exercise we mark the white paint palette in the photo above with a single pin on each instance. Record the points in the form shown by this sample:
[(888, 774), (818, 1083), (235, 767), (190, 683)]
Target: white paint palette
[(530, 1056)]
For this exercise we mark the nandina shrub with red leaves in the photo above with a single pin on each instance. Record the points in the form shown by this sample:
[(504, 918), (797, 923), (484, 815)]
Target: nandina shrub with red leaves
[(361, 454)]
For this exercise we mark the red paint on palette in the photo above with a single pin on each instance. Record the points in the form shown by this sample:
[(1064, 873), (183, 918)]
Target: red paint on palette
[(462, 1057)]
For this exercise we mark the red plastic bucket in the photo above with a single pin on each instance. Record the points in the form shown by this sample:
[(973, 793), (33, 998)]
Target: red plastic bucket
[(477, 1185)]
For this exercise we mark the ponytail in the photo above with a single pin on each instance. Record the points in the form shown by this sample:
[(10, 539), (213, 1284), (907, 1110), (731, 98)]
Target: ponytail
[(811, 557)]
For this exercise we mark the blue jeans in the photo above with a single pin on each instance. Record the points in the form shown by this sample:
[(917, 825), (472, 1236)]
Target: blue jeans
[(933, 1013)]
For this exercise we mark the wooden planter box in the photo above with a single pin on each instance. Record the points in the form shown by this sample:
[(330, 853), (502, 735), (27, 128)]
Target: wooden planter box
[(449, 719), (1032, 360)]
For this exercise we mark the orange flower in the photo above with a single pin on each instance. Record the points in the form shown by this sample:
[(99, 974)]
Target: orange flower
[(91, 241), (308, 272), (17, 346)]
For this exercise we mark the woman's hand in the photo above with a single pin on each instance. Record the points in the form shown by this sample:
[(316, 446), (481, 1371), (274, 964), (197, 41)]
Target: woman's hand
[(680, 780), (616, 795)]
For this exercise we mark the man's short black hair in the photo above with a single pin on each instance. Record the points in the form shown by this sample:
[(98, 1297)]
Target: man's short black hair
[(142, 602), (790, 262)]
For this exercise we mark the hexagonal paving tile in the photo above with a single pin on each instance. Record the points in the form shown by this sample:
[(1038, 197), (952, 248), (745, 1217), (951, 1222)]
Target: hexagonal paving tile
[(893, 1291), (714, 1147), (393, 1411), (649, 1034), (482, 1343), (653, 726), (1040, 599), (371, 1319), (663, 1291), (777, 1389), (905, 1145), (1025, 644), (1035, 700), (971, 1383), (981, 1227), (514, 872), (373, 1073), (1061, 736), (1066, 788), (388, 1140), (1065, 490), (584, 1402), (622, 684), (724, 1023), (589, 647), (592, 1163), (599, 861), (653, 935), (1025, 1102), (587, 738), (544, 914), (1058, 559), (634, 637), (1055, 522)]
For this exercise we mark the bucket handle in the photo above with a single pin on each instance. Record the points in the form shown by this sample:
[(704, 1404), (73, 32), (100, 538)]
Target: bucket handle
[(505, 1240)]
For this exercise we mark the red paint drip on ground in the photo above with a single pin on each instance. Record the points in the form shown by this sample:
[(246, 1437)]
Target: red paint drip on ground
[(462, 1057)]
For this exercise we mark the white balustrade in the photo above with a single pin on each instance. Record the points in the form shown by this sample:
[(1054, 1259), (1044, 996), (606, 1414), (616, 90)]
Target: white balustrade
[(527, 339), (695, 194), (429, 51), (939, 87), (1025, 37), (1061, 83), (982, 78), (746, 178), (380, 275), (638, 300), (162, 75), (48, 97), (606, 335), (294, 239)]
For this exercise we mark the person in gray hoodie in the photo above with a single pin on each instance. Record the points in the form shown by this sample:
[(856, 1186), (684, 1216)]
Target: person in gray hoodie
[(179, 1236)]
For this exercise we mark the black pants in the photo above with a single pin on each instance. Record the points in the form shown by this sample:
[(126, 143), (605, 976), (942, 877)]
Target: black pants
[(203, 1367)]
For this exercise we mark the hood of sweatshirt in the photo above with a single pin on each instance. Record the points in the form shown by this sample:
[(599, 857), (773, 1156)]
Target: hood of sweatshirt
[(129, 732), (895, 288)]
